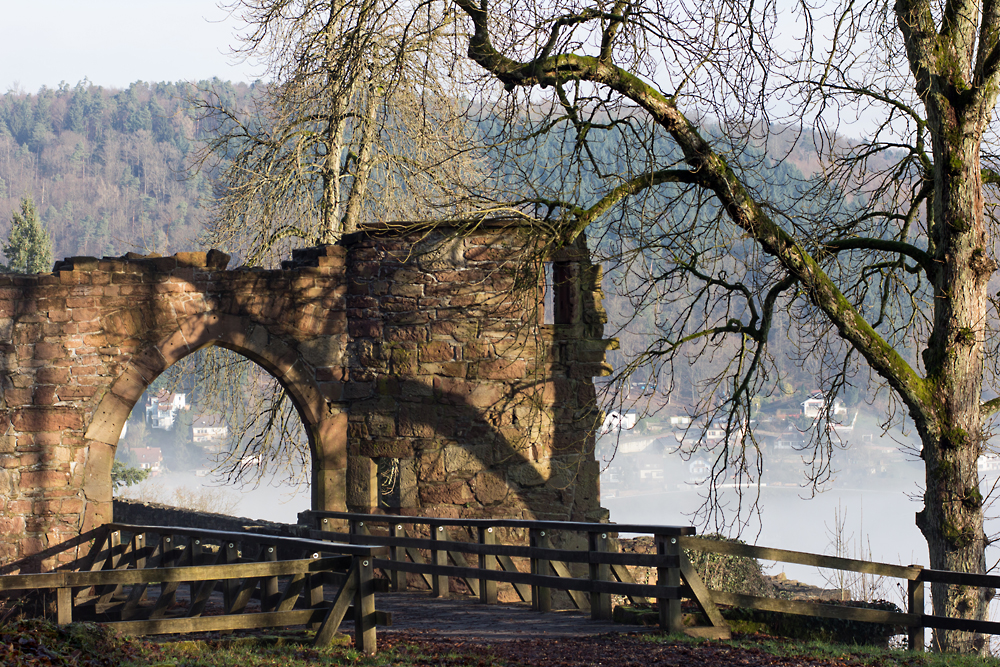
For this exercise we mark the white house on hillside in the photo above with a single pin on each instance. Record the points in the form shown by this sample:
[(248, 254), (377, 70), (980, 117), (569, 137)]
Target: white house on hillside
[(207, 428), (815, 405), (162, 409)]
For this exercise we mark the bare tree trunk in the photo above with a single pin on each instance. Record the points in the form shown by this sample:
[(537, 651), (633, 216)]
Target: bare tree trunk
[(365, 163), (952, 518)]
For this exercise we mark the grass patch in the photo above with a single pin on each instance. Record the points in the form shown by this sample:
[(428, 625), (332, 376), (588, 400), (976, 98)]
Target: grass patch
[(268, 653), (854, 654), (40, 643)]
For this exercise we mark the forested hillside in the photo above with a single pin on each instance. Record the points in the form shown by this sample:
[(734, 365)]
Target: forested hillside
[(108, 172), (107, 168)]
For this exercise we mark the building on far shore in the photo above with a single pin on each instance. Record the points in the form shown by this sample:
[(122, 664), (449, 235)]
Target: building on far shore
[(149, 458), (209, 428), (815, 405)]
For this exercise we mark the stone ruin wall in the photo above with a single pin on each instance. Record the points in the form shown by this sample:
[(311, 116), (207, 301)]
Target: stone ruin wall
[(408, 348), (80, 345)]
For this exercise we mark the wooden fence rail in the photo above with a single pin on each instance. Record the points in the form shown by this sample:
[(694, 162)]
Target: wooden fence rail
[(114, 581), (916, 576)]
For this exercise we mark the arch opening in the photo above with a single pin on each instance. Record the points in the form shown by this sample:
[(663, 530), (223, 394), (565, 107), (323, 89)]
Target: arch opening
[(320, 423), (224, 436)]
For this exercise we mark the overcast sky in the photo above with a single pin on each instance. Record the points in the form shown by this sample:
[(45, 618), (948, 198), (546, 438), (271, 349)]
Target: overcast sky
[(116, 42)]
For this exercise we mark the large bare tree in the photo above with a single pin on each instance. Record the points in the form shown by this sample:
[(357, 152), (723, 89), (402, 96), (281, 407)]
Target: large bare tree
[(660, 120), (359, 122)]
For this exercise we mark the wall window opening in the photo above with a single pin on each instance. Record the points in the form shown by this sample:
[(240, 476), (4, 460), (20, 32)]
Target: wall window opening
[(558, 295)]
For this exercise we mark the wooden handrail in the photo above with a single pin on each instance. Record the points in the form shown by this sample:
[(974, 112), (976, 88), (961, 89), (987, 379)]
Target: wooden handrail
[(575, 526), (254, 538), (960, 578), (514, 551), (799, 557), (181, 574)]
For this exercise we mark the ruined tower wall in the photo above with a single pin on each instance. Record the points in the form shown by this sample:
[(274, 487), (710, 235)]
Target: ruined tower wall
[(463, 402)]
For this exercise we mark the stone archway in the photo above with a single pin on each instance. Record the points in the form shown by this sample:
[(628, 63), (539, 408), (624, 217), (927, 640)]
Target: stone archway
[(324, 423), (82, 343)]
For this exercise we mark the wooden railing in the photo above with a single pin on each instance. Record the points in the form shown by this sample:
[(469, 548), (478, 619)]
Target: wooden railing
[(126, 560), (485, 562), (915, 575), (608, 573)]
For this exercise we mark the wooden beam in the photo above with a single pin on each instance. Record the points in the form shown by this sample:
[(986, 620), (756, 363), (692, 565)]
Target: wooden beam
[(168, 574), (523, 588), (823, 610), (701, 595), (335, 615), (487, 586), (580, 600), (802, 558), (216, 623)]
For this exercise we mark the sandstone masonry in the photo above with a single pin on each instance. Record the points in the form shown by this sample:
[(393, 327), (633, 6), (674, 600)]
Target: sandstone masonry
[(419, 362)]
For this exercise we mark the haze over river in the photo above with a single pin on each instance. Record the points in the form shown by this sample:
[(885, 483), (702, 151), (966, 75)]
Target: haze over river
[(878, 521)]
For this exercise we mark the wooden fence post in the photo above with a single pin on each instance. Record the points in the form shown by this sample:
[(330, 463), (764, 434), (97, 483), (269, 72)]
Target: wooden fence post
[(196, 548), (915, 605), (315, 594), (541, 596), (439, 557), (487, 587), (231, 554), (64, 606), (106, 593), (670, 609), (269, 593), (364, 606), (600, 603), (397, 578), (169, 555)]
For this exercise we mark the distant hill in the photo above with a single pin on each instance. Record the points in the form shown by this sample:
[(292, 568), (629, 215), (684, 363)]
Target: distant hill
[(107, 170), (106, 167)]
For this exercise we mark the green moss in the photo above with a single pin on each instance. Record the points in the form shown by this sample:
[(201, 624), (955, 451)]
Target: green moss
[(973, 499), (957, 537), (954, 438)]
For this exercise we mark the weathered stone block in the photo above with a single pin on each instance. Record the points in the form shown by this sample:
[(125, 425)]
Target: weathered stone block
[(38, 480), (392, 448), (47, 419), (97, 478), (501, 369), (464, 459), (449, 493), (436, 351), (106, 424), (490, 488), (45, 351), (362, 482)]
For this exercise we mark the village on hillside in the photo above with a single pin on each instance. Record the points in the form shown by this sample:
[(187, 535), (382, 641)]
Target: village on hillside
[(668, 450), (164, 434)]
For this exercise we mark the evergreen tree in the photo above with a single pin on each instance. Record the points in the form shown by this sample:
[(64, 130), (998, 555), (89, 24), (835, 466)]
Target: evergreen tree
[(124, 475), (28, 248)]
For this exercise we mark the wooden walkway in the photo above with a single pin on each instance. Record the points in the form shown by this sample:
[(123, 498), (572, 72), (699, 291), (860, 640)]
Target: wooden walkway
[(468, 619)]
